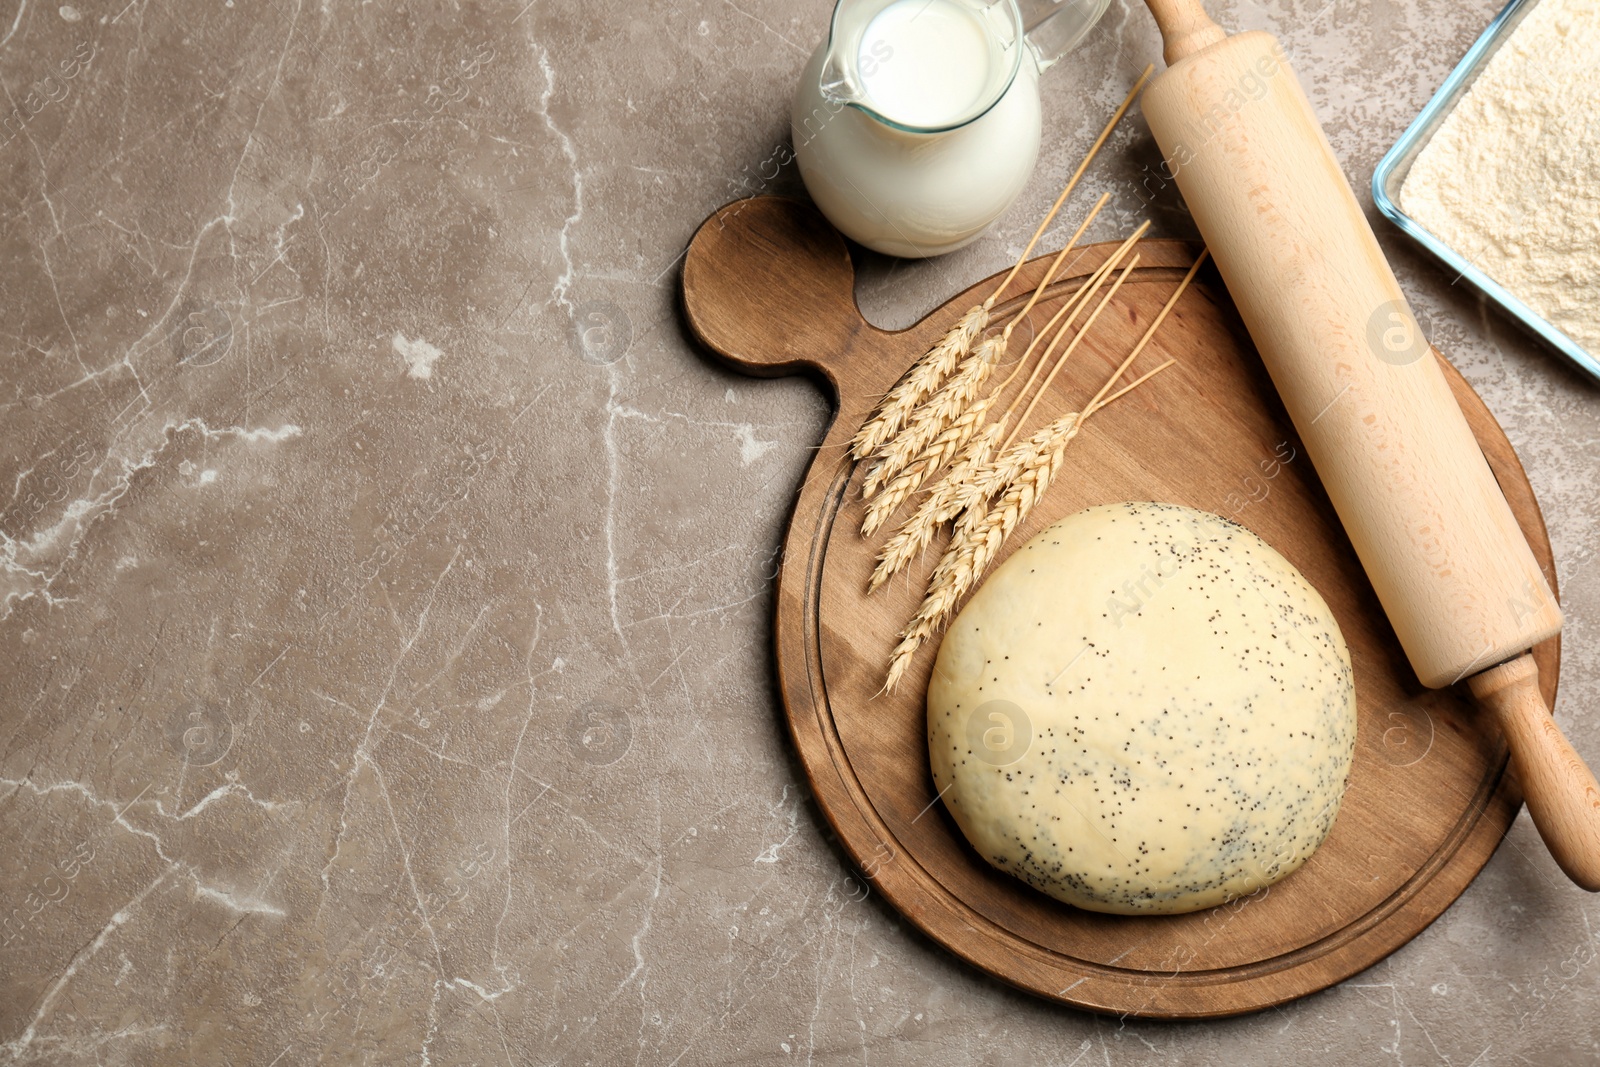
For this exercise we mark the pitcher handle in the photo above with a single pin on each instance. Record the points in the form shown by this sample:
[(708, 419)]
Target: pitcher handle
[(1055, 27)]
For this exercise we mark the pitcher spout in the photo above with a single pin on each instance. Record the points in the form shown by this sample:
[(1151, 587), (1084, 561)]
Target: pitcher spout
[(840, 78)]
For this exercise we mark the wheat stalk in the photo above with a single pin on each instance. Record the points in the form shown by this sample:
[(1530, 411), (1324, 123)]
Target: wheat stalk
[(1044, 387), (1072, 182), (1069, 311), (1155, 324), (1050, 273)]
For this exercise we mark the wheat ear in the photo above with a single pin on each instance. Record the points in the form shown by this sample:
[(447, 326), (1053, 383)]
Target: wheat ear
[(921, 382), (1014, 460), (990, 478), (945, 447), (938, 507), (918, 531), (1017, 466), (986, 535), (966, 490), (1027, 470), (985, 481), (978, 539), (982, 531), (931, 419)]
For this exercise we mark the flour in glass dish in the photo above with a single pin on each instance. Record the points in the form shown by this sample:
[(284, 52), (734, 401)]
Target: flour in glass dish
[(1511, 178)]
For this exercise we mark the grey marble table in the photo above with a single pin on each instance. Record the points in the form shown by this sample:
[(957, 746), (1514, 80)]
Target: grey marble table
[(385, 578)]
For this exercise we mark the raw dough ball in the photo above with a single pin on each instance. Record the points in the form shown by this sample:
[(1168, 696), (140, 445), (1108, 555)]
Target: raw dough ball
[(1145, 709)]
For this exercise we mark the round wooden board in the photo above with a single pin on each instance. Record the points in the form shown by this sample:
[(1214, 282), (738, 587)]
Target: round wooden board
[(768, 287)]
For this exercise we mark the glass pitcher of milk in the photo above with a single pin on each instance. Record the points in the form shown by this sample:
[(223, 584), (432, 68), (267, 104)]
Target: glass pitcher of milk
[(917, 122)]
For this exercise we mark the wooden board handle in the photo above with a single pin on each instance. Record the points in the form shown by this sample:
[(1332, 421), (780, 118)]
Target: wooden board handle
[(769, 287), (1562, 795)]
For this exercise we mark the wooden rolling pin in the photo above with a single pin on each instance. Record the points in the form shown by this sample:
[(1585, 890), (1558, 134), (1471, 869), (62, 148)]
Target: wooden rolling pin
[(1422, 508)]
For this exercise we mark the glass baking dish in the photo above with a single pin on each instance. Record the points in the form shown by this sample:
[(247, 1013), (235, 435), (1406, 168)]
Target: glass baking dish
[(1396, 164)]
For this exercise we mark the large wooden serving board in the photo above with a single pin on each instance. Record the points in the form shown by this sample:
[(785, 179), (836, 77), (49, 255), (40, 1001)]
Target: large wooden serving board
[(768, 287)]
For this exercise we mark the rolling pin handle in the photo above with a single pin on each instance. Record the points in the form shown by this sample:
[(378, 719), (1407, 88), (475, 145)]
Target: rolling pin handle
[(1185, 27), (1562, 795)]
